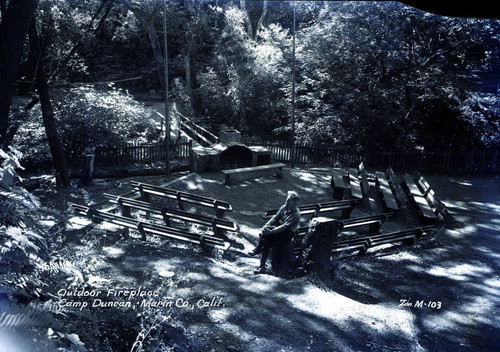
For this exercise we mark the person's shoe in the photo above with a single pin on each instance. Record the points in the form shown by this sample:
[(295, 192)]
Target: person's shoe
[(260, 270)]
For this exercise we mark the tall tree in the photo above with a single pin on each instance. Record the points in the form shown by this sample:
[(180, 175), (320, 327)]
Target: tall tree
[(145, 14), (13, 30), (254, 19), (55, 145)]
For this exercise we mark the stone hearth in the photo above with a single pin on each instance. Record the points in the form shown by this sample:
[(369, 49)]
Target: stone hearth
[(228, 153)]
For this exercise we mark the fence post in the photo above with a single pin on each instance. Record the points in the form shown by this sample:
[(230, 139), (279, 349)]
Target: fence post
[(88, 170)]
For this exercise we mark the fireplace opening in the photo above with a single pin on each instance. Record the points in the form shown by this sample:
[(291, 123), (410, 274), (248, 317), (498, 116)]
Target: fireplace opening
[(235, 157)]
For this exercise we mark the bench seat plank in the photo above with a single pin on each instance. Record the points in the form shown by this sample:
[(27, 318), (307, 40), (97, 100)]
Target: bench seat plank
[(398, 191), (355, 184), (386, 190)]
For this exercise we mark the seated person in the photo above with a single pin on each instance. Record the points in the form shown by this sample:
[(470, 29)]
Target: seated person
[(280, 228)]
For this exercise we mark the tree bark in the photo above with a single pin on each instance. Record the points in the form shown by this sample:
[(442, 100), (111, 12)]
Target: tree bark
[(146, 22), (253, 31), (56, 148), (248, 21), (13, 29), (317, 250), (261, 20)]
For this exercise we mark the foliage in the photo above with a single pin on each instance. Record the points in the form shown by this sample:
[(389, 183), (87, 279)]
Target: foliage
[(88, 118), (369, 75), (29, 271)]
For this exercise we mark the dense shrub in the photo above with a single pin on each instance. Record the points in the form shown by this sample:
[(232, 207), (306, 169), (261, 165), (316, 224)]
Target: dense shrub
[(87, 117)]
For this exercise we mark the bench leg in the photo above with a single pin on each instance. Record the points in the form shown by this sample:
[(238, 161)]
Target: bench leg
[(279, 173), (410, 241), (375, 227), (346, 213)]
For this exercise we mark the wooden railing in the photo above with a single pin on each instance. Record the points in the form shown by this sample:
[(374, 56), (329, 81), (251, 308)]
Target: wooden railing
[(130, 153)]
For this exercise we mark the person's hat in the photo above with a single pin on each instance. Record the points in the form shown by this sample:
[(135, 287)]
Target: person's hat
[(293, 195)]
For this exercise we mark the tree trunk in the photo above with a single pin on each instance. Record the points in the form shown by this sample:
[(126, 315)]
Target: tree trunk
[(248, 21), (261, 20), (253, 31), (155, 45), (147, 23), (13, 29), (56, 148), (317, 250)]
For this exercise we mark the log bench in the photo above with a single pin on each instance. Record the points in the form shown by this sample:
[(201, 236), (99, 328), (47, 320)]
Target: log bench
[(386, 190), (218, 225), (253, 171), (145, 227), (419, 199), (346, 205), (146, 190)]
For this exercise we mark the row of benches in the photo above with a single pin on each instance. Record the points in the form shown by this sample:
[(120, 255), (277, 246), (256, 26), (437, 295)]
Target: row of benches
[(354, 179), (126, 204), (346, 205), (218, 225), (418, 189), (145, 227), (146, 190), (361, 244)]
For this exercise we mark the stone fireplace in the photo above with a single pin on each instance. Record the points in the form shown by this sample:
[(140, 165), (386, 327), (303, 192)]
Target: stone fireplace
[(228, 153)]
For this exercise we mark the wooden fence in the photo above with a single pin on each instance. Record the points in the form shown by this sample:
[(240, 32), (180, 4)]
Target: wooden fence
[(480, 160), (131, 153)]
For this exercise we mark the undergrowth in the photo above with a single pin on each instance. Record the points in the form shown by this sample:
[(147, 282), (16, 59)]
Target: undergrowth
[(37, 260)]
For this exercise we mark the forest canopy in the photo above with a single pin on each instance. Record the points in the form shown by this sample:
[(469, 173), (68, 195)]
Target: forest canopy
[(368, 75)]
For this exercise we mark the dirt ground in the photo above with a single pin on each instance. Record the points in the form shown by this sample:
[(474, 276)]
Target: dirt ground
[(449, 281)]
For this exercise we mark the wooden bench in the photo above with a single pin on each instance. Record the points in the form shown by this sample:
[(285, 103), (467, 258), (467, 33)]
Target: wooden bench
[(386, 190), (363, 243), (218, 225), (419, 199), (373, 221), (338, 182), (146, 190), (255, 170), (345, 205), (145, 227), (431, 197), (355, 184), (396, 186)]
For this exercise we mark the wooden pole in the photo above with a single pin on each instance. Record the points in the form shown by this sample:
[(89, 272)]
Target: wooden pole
[(167, 119), (293, 91)]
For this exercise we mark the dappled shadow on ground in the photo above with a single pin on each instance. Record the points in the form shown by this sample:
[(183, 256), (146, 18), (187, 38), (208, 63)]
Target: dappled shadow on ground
[(456, 269)]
